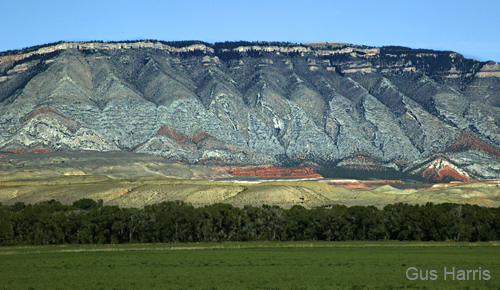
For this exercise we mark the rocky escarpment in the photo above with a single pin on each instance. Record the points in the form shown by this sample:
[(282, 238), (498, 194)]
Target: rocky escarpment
[(200, 148), (46, 130), (442, 170), (269, 170), (335, 107)]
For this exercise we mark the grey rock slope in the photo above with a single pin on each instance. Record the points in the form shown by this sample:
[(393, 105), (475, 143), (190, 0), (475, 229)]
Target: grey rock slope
[(254, 103)]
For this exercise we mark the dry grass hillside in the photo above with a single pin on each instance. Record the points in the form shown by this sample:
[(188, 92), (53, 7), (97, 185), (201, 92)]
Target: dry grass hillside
[(135, 180)]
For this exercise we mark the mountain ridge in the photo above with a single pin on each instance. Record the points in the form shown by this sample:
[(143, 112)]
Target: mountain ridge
[(319, 104)]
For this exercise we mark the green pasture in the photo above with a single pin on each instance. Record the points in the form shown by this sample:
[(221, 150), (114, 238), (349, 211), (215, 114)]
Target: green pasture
[(249, 265)]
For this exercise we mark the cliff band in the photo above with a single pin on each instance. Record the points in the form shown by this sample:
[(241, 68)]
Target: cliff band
[(337, 108)]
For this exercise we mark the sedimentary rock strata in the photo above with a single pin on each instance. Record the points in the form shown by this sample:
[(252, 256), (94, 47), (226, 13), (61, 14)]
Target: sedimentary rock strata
[(324, 105), (269, 171)]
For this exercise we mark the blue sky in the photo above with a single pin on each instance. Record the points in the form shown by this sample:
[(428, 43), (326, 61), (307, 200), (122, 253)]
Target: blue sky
[(468, 27)]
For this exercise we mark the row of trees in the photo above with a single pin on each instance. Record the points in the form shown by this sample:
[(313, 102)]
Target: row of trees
[(89, 222)]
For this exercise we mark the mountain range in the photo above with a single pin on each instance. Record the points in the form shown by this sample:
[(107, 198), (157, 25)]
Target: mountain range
[(344, 110)]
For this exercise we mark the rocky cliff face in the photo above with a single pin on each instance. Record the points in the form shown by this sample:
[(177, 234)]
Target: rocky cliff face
[(335, 107)]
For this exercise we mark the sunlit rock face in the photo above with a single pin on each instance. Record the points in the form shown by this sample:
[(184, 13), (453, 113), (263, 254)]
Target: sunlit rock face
[(330, 106)]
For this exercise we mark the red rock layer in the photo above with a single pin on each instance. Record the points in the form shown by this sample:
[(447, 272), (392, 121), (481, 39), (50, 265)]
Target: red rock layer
[(444, 173), (442, 185), (212, 161), (382, 182), (17, 151), (182, 139), (199, 135), (199, 140), (352, 185), (41, 150), (361, 161), (44, 110), (136, 146), (269, 171), (176, 136), (50, 112), (467, 142), (365, 184), (497, 181), (37, 150)]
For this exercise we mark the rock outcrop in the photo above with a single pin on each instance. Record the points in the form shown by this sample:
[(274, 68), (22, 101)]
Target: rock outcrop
[(441, 170), (45, 130), (326, 105), (270, 170)]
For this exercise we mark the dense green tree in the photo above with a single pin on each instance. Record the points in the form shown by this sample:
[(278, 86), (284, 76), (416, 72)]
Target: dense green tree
[(6, 231), (173, 222), (403, 221), (272, 221), (220, 222), (18, 206), (89, 222), (85, 203), (338, 227), (365, 223)]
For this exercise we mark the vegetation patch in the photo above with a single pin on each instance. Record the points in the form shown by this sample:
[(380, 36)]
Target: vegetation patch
[(91, 222), (250, 265)]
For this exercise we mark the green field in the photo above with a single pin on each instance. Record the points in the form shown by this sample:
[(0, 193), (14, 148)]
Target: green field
[(284, 265)]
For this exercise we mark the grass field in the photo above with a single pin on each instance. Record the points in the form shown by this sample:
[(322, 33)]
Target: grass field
[(251, 265)]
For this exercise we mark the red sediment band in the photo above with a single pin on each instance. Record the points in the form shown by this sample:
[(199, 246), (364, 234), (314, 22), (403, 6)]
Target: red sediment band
[(269, 171)]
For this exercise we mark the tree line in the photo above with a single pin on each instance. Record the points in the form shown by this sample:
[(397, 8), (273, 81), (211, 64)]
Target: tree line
[(90, 222)]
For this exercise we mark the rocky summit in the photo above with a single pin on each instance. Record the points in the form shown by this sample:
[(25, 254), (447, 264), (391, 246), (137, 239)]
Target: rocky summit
[(336, 109)]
